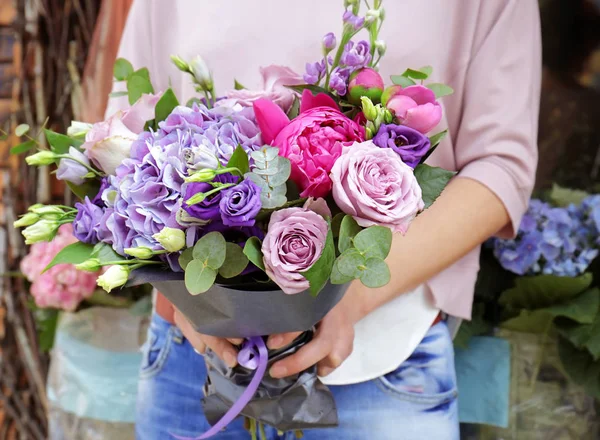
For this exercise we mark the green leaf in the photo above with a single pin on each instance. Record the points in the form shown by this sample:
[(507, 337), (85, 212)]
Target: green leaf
[(235, 261), (376, 273), (403, 81), (543, 291), (22, 148), (199, 277), (138, 84), (89, 188), (59, 143), (427, 70), (416, 74), (105, 253), (375, 241), (337, 277), (186, 257), (432, 181), (581, 367), (211, 250), (165, 105), (582, 309), (440, 90), (318, 274), (73, 254), (294, 109), (239, 160), (336, 224), (435, 142), (21, 130), (122, 69), (237, 85), (117, 94), (348, 230), (46, 323), (536, 321), (564, 196), (350, 262), (252, 250)]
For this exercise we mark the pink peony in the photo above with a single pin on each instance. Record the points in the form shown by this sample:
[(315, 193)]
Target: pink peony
[(414, 106), (375, 187), (294, 242), (109, 142), (312, 142), (275, 78), (63, 286)]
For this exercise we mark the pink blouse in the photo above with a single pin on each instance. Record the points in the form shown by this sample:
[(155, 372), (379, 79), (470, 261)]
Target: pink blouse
[(488, 51)]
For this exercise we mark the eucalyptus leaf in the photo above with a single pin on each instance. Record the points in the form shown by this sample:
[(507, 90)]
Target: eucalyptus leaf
[(440, 90), (252, 250), (239, 160), (350, 262), (21, 129), (265, 172), (283, 173), (199, 277), (235, 261), (348, 230), (211, 250), (165, 105), (272, 201), (402, 81), (376, 273), (337, 277), (432, 181), (122, 69), (374, 241), (318, 274), (72, 254), (186, 257), (23, 147)]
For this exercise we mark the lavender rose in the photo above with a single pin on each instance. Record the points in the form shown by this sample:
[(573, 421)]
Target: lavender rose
[(240, 204), (87, 221), (208, 209), (407, 142), (294, 242), (375, 187)]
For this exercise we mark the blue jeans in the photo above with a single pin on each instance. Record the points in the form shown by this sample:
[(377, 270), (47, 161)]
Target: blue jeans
[(417, 401)]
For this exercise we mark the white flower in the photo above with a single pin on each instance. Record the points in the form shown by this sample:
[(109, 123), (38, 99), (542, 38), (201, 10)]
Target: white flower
[(78, 129), (201, 73), (171, 239), (115, 276)]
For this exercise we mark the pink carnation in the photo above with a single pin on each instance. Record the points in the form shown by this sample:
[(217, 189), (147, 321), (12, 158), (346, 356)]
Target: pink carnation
[(375, 187), (63, 286)]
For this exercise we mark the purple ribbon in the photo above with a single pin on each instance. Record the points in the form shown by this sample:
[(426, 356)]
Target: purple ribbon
[(254, 356)]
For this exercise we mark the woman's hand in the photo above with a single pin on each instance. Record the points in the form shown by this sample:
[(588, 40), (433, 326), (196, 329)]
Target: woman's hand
[(331, 345), (223, 348)]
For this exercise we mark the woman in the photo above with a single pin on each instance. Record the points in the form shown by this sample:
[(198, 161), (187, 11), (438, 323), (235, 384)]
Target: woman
[(386, 353)]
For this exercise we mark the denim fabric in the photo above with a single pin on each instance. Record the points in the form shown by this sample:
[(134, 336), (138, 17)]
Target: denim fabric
[(416, 401)]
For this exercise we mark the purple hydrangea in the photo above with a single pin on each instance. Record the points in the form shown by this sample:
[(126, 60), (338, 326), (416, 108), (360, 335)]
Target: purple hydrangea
[(87, 221)]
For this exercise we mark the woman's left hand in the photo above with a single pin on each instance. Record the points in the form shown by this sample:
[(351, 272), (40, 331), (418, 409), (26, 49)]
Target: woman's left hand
[(330, 346)]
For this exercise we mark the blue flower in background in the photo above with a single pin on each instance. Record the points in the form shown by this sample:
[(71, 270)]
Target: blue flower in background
[(519, 256)]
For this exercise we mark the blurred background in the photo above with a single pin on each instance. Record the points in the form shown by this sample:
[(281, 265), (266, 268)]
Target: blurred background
[(72, 374)]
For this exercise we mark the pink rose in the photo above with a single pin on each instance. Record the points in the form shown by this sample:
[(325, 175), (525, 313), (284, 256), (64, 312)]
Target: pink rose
[(275, 78), (375, 187), (294, 242), (312, 142), (108, 142), (414, 106)]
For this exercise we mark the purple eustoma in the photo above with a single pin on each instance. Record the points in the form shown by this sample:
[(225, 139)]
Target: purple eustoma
[(408, 143), (208, 210), (240, 204)]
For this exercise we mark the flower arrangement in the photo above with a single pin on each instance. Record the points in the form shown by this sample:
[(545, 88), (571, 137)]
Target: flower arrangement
[(294, 191)]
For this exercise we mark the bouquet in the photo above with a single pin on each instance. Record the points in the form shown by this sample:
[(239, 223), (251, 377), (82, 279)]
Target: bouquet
[(251, 211)]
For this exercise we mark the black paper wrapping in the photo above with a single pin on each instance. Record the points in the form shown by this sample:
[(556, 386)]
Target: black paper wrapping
[(296, 402)]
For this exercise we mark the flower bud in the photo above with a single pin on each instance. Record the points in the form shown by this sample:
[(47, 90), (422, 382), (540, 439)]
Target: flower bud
[(201, 73), (369, 133), (41, 158), (91, 265), (171, 239), (203, 175), (381, 47), (143, 253), (388, 117), (35, 206), (329, 42), (115, 276), (180, 63), (368, 108), (44, 210), (365, 82), (372, 15), (43, 230), (78, 130), (27, 220), (195, 199)]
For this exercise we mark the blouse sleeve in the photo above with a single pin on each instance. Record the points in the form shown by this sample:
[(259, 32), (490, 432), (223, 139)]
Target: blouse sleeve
[(496, 143)]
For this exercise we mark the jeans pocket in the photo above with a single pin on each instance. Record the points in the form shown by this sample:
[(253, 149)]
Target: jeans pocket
[(427, 377), (155, 352)]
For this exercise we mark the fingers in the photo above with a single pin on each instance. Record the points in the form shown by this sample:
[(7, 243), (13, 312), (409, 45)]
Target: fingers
[(221, 347), (306, 357), (340, 352), (281, 340)]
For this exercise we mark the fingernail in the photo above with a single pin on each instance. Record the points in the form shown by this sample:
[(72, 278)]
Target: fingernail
[(275, 342), (278, 371), (230, 359)]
